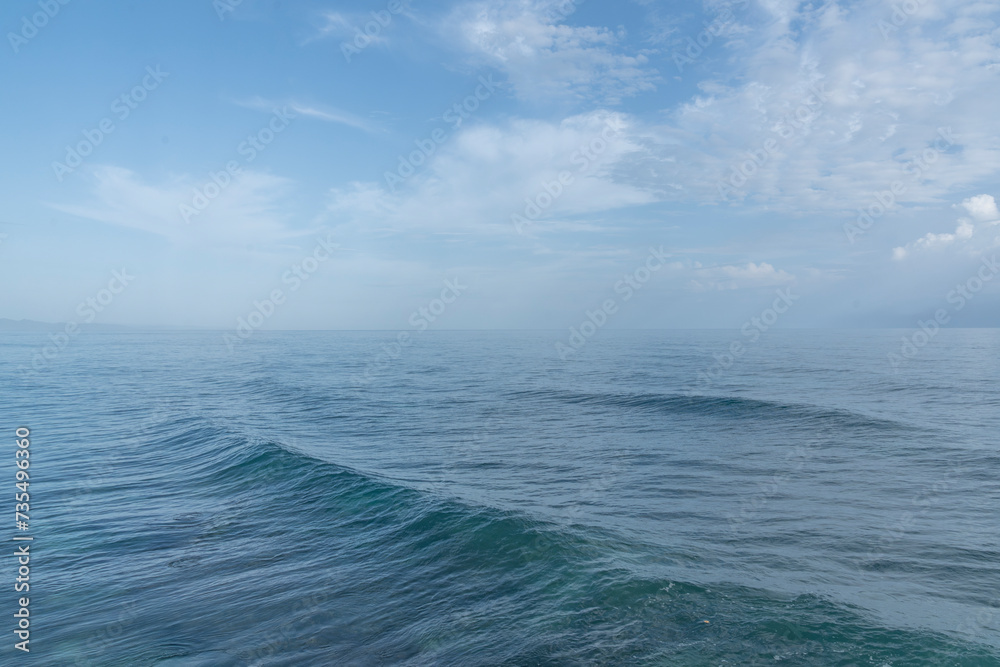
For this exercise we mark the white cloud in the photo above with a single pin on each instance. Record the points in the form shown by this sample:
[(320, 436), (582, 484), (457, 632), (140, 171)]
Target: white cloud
[(735, 276), (930, 241), (820, 109), (487, 173), (546, 59), (249, 210), (877, 122), (318, 111), (982, 208)]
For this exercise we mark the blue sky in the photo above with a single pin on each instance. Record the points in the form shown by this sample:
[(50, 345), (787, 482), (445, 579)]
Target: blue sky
[(743, 140)]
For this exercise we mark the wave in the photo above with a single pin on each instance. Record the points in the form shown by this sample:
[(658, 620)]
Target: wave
[(393, 574), (723, 407), (466, 584)]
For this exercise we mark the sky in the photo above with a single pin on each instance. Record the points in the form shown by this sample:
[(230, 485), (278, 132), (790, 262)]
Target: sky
[(511, 164)]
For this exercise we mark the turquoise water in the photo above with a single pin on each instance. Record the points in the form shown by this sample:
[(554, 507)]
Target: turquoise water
[(478, 501)]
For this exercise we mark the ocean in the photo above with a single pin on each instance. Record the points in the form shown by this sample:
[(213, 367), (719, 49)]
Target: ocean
[(331, 498)]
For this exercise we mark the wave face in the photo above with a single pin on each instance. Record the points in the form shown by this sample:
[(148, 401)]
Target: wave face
[(478, 501)]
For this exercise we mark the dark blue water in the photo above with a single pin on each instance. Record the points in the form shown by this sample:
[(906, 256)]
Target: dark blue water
[(478, 501)]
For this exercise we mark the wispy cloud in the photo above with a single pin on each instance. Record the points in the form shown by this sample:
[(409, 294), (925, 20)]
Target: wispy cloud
[(320, 112), (352, 26), (828, 111), (546, 59), (250, 211), (334, 24), (488, 173)]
